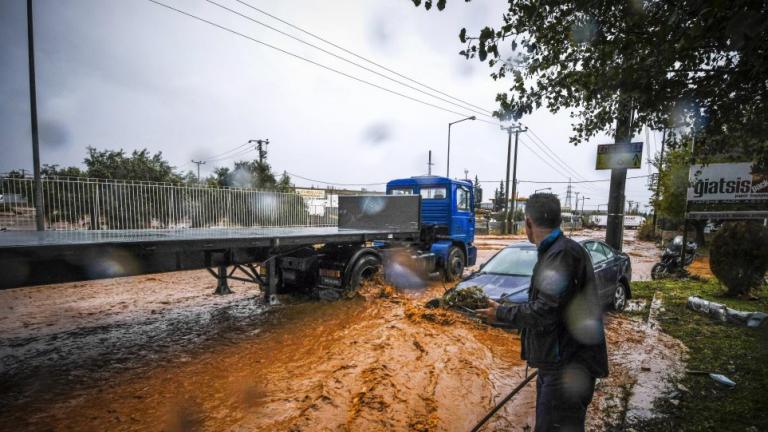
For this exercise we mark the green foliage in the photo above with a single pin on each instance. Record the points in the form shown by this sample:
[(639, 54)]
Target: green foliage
[(739, 256), (139, 165), (690, 61), (738, 352), (673, 182), (646, 232)]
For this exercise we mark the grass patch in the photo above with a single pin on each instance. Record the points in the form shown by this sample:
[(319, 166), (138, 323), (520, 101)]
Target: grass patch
[(740, 353)]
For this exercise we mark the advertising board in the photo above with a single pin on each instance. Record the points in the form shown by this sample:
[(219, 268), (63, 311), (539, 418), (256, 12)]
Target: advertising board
[(741, 181)]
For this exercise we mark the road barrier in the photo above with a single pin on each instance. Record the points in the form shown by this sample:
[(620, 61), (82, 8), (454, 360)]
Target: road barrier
[(73, 203)]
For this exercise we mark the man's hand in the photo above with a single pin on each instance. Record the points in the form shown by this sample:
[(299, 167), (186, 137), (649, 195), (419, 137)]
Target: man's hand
[(488, 314)]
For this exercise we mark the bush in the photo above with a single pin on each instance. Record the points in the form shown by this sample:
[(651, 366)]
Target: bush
[(647, 232), (739, 256)]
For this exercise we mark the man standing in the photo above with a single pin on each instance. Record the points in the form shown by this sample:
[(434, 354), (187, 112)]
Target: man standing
[(561, 324)]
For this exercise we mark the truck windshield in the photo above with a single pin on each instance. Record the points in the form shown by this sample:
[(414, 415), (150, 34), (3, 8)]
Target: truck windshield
[(401, 191), (438, 192), (512, 261)]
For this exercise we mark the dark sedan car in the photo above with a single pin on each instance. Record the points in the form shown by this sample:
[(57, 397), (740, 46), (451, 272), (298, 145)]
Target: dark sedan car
[(506, 277)]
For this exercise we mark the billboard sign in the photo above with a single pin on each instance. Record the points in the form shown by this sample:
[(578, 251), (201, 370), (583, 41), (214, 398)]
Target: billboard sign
[(741, 181), (628, 155), (311, 193)]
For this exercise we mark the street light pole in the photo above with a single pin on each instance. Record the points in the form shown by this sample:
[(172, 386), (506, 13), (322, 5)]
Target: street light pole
[(537, 190), (448, 156)]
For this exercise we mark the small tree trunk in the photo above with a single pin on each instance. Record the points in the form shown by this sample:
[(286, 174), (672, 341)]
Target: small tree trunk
[(700, 239)]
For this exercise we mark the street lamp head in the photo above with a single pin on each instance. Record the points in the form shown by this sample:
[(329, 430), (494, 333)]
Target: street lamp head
[(473, 118)]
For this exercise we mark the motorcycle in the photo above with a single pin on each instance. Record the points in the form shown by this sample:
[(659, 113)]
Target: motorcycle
[(670, 259)]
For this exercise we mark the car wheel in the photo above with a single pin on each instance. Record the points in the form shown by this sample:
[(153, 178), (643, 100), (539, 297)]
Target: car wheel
[(620, 297), (658, 271), (454, 267)]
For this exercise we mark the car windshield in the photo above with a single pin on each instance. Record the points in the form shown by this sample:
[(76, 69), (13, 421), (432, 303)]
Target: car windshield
[(512, 261)]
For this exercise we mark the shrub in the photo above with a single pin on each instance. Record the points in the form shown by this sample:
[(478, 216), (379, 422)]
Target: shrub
[(739, 256), (646, 231)]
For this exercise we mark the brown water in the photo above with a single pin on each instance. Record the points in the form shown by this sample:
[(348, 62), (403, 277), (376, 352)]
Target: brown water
[(364, 364), (160, 352)]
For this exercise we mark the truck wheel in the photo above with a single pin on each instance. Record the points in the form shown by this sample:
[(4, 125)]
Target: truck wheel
[(365, 268), (454, 266)]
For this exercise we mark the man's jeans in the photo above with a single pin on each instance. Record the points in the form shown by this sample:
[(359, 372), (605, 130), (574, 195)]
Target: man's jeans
[(562, 398)]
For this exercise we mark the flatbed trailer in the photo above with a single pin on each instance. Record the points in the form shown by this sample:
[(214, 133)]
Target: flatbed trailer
[(271, 257)]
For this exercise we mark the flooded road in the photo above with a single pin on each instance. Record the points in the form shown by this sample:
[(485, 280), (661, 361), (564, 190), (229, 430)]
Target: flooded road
[(365, 364), (161, 352)]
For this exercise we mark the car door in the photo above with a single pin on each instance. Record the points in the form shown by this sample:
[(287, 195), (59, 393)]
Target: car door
[(600, 264), (612, 270), (462, 227)]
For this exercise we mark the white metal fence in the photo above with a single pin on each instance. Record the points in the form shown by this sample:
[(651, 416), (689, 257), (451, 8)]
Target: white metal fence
[(96, 204)]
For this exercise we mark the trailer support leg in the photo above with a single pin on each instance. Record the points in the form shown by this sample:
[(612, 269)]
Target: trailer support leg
[(270, 294), (222, 287)]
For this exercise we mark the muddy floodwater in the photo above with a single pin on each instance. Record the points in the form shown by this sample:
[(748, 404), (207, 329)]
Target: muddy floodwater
[(160, 352)]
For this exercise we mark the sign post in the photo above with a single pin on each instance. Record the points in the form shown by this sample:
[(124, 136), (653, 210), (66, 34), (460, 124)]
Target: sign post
[(628, 155), (618, 158)]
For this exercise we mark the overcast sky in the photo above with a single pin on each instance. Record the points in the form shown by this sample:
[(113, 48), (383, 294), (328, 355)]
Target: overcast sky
[(130, 74)]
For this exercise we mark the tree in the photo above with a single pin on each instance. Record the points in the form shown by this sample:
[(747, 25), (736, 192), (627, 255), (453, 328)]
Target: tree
[(702, 62), (139, 165), (673, 186)]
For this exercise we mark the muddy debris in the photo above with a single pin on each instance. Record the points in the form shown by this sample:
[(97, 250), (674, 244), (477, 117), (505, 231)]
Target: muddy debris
[(472, 297), (440, 316)]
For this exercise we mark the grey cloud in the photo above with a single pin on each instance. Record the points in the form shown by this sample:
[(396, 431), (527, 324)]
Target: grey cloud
[(53, 133)]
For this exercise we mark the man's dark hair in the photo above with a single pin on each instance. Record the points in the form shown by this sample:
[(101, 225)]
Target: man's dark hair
[(544, 210)]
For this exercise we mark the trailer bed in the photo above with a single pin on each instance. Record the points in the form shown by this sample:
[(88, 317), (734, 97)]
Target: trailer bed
[(43, 257), (248, 236)]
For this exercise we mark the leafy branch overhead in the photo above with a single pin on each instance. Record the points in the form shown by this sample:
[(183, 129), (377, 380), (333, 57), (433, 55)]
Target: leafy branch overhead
[(697, 63)]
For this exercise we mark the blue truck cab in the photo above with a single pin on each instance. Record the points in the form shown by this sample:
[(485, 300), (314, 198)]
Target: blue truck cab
[(447, 219)]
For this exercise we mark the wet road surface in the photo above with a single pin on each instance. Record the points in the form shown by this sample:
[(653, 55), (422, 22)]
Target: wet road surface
[(161, 352)]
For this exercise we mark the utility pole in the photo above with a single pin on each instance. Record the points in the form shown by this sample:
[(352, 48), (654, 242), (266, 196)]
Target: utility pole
[(614, 234), (510, 130), (261, 147), (39, 205), (658, 178), (429, 164), (568, 192), (466, 174), (198, 168)]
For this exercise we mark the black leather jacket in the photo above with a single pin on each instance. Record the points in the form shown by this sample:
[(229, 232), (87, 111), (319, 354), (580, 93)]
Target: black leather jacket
[(562, 321)]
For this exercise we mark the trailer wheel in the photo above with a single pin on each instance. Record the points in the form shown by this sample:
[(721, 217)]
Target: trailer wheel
[(454, 266), (365, 268)]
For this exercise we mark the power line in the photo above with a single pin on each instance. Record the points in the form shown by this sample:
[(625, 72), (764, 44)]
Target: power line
[(358, 56), (340, 57), (542, 159), (564, 182), (334, 183), (214, 157), (232, 156), (555, 155), (195, 17), (480, 181)]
